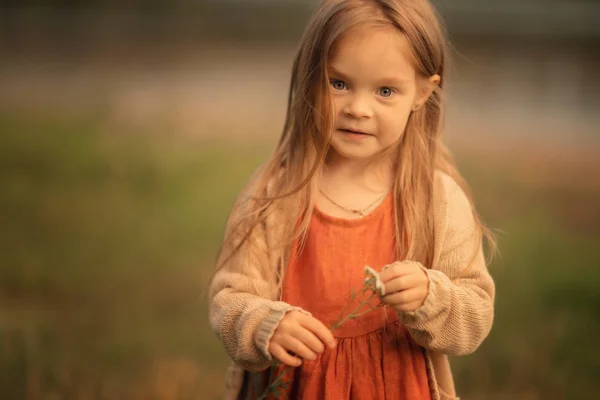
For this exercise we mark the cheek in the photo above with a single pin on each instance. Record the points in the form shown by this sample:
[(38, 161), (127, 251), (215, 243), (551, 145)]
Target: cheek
[(336, 103), (398, 116)]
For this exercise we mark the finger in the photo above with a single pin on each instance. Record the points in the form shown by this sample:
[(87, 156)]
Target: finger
[(395, 270), (290, 343), (405, 282), (310, 340), (405, 297), (279, 353), (319, 329)]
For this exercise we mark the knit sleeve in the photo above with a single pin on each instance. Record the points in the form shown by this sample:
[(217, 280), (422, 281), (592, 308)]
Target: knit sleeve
[(244, 320), (241, 310), (458, 312)]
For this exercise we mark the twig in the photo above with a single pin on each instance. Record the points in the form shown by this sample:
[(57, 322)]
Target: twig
[(373, 284)]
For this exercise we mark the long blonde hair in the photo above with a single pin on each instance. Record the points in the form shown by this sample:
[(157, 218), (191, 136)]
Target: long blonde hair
[(286, 182)]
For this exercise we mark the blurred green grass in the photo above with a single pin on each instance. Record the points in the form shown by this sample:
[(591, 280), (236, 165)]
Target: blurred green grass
[(109, 241)]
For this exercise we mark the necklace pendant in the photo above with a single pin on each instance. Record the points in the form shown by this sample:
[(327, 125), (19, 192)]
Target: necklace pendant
[(360, 212)]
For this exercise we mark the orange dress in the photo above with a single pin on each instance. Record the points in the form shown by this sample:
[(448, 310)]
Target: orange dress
[(375, 357)]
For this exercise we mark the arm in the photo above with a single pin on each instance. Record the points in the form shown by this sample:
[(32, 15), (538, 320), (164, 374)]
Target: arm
[(242, 312), (243, 320), (458, 311)]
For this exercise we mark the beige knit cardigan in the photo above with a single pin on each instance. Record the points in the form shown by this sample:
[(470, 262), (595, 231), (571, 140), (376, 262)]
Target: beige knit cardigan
[(457, 315)]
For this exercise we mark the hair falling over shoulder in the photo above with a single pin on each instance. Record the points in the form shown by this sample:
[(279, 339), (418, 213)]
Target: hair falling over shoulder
[(286, 181)]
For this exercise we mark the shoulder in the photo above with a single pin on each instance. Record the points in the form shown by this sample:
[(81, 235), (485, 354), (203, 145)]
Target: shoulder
[(251, 187), (452, 207), (258, 185), (261, 182), (259, 200), (245, 201), (450, 193)]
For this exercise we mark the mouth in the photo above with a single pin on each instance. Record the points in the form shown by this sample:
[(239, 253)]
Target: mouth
[(354, 132)]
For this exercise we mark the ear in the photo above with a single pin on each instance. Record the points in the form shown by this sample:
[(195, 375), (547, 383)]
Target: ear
[(426, 87)]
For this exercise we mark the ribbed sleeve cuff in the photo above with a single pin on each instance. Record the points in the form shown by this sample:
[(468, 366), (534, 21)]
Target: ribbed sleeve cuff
[(267, 328), (438, 299)]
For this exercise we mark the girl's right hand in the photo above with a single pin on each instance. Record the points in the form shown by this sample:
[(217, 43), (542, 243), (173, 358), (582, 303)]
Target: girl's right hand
[(299, 335)]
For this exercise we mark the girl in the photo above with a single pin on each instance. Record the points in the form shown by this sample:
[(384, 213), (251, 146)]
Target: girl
[(359, 177)]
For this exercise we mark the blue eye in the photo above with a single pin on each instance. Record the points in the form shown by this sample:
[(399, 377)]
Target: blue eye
[(338, 85), (385, 92)]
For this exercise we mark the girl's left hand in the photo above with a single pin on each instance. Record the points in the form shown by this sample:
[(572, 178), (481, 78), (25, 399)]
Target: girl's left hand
[(406, 285)]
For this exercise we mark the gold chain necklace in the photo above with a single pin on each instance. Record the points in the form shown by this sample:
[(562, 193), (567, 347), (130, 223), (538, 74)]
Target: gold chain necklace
[(360, 211)]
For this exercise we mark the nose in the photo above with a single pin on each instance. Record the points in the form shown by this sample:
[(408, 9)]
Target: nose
[(358, 107)]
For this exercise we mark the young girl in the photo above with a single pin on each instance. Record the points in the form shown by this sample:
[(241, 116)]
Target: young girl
[(359, 177)]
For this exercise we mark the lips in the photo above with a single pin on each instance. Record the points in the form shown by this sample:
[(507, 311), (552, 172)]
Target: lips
[(355, 131)]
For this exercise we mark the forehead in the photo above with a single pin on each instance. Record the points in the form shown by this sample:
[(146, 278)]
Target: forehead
[(373, 51)]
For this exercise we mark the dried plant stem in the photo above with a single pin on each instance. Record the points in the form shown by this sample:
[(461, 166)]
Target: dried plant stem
[(352, 314), (353, 297), (276, 383), (273, 387)]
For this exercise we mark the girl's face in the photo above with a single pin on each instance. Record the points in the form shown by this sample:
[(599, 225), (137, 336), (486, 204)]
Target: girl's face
[(374, 87)]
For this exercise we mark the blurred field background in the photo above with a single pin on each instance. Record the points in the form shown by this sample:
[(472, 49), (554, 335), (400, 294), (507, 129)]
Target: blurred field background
[(127, 129)]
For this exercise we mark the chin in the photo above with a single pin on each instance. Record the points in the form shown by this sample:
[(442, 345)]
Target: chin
[(354, 155)]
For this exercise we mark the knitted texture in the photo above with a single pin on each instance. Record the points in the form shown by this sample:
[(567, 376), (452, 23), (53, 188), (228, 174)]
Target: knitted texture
[(456, 317)]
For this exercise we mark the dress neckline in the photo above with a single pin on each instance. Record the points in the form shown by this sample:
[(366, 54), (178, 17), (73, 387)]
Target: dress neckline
[(375, 213)]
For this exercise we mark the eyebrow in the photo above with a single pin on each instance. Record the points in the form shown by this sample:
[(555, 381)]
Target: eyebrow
[(335, 72), (397, 80)]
